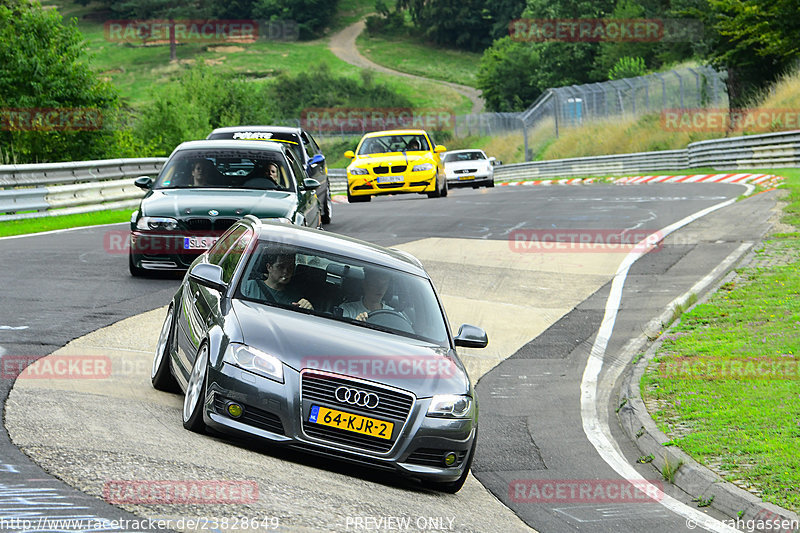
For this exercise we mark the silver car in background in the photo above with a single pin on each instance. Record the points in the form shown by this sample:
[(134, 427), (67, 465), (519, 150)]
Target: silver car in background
[(468, 168)]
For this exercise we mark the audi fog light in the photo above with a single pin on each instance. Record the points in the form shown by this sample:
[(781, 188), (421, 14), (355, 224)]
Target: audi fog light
[(234, 409), (450, 459), (157, 224), (422, 167), (450, 406), (254, 360)]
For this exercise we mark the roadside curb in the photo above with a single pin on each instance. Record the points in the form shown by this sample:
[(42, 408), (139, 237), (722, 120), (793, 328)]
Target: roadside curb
[(698, 481)]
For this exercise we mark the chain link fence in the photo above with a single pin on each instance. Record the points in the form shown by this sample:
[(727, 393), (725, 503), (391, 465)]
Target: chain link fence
[(685, 88)]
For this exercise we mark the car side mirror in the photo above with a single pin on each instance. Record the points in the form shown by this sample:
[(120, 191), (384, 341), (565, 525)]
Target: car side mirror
[(349, 154), (439, 149), (316, 160), (144, 182), (310, 184), (471, 337), (209, 276), (493, 161)]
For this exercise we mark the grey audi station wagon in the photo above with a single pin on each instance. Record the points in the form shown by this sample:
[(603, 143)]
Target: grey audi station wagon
[(324, 343)]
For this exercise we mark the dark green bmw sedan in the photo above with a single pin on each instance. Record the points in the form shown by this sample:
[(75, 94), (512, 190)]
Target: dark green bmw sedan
[(204, 188)]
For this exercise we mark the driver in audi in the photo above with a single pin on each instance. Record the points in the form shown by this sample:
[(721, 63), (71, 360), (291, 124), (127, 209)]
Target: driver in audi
[(375, 285)]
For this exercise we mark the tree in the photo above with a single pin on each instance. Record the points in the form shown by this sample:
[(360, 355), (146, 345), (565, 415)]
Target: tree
[(756, 40), (43, 68), (465, 24), (312, 16)]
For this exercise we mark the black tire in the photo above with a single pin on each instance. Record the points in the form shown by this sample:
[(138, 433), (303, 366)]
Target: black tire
[(454, 486), (136, 271), (491, 183), (327, 209), (437, 192), (444, 189), (160, 374), (195, 397), (357, 199)]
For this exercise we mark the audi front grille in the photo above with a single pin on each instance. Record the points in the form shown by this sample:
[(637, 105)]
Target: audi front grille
[(393, 406)]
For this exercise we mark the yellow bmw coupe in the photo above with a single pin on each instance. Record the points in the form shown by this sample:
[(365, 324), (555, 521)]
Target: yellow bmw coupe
[(393, 162)]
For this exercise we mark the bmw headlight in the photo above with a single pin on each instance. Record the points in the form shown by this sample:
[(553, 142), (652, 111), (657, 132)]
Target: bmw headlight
[(157, 224), (422, 167), (357, 171), (450, 406), (254, 360)]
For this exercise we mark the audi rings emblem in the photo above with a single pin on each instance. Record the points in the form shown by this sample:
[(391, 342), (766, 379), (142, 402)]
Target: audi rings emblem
[(356, 397)]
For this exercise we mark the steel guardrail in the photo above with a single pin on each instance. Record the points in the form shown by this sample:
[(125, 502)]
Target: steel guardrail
[(30, 191)]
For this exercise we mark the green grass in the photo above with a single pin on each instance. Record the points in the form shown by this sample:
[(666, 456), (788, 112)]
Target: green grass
[(136, 69), (748, 428), (408, 54), (38, 225)]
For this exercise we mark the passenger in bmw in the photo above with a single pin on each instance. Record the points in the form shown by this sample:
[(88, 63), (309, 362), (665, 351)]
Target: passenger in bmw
[(277, 283), (203, 172)]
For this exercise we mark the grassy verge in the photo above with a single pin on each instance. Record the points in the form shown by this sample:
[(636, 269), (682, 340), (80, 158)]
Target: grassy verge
[(725, 384), (136, 70), (38, 225), (409, 55)]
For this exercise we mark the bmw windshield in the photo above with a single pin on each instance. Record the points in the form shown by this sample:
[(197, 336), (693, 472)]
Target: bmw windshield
[(245, 169)]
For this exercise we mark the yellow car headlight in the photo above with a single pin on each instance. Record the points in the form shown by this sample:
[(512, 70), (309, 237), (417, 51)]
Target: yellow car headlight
[(423, 167)]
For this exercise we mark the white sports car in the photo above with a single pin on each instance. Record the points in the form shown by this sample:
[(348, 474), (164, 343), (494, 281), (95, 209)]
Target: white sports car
[(469, 168)]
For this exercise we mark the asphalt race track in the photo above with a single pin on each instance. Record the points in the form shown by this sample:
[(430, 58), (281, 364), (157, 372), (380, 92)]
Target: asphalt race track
[(542, 308)]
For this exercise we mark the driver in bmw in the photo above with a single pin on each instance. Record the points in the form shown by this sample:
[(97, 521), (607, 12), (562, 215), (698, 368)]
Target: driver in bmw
[(375, 285)]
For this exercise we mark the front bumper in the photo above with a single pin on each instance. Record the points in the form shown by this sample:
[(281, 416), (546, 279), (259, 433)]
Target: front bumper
[(277, 412), (469, 180), (413, 182), (154, 251)]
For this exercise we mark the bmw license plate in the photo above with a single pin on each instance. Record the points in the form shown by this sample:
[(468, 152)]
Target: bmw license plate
[(350, 422), (465, 178), (391, 179), (198, 243)]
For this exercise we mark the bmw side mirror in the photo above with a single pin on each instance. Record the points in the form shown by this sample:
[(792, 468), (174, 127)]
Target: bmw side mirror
[(471, 337), (316, 160), (349, 154), (143, 182), (209, 276), (310, 184), (439, 149), (493, 161)]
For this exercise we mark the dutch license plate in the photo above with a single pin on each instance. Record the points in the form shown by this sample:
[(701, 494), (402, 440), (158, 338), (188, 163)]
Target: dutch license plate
[(350, 422), (198, 243), (390, 179), (465, 178)]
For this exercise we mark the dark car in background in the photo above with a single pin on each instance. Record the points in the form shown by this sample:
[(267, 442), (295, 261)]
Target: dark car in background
[(302, 144), (301, 367), (204, 188)]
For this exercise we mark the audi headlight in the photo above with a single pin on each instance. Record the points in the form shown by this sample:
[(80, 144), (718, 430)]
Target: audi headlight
[(422, 167), (357, 171), (157, 224), (450, 406), (254, 360)]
